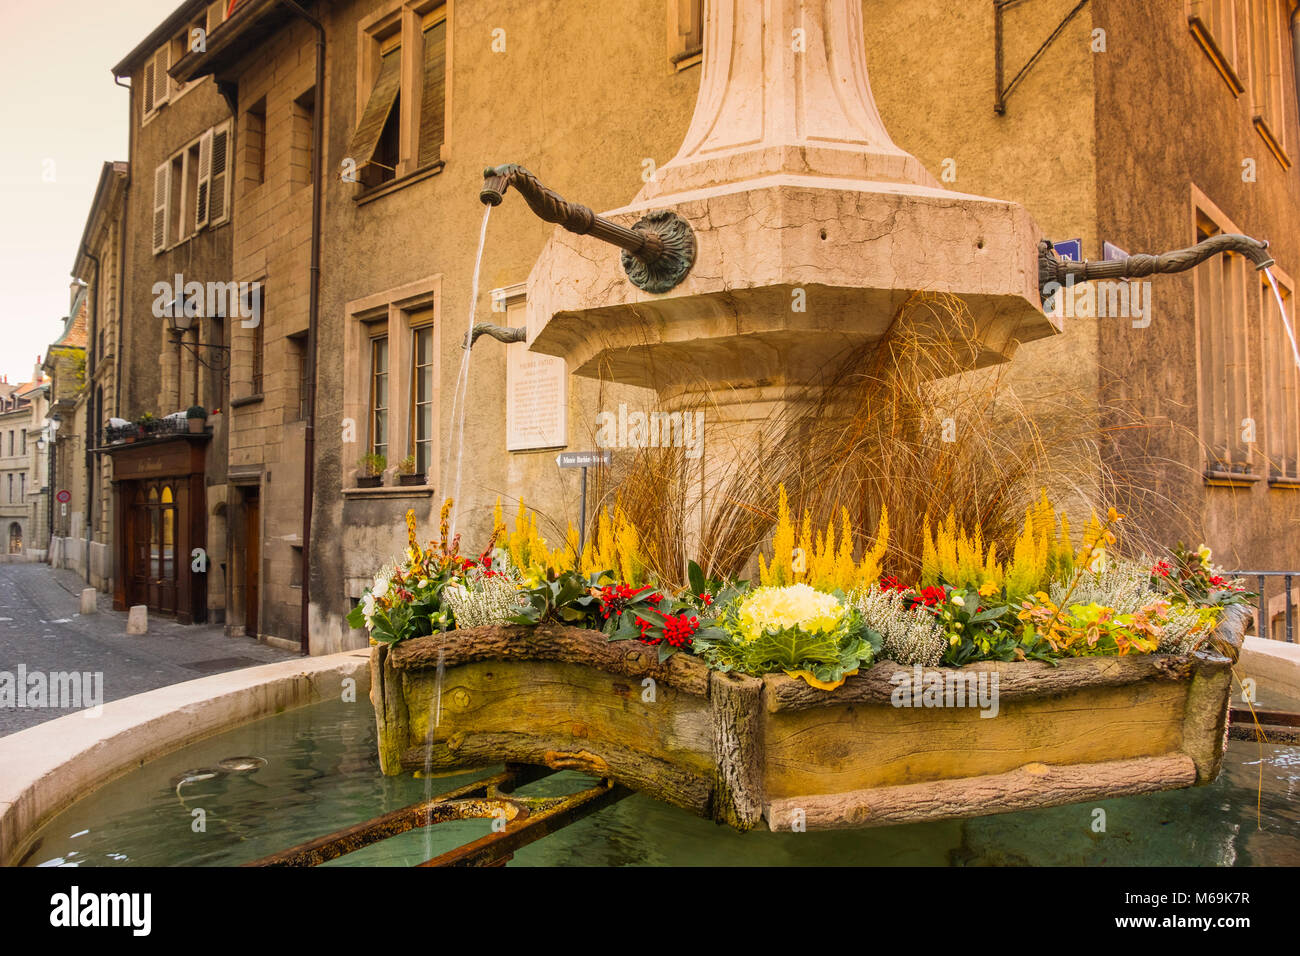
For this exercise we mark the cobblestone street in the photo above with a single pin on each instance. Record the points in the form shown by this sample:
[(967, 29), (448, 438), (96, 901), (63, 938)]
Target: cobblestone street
[(42, 631)]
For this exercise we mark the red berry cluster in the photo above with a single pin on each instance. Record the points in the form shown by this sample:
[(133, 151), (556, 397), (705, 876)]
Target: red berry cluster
[(678, 630), (614, 598), (1162, 568)]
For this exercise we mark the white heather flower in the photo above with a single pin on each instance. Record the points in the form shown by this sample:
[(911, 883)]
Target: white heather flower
[(911, 637)]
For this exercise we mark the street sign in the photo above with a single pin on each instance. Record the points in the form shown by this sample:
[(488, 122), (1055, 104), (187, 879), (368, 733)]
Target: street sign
[(584, 459), (1111, 251), (1071, 249), (64, 496)]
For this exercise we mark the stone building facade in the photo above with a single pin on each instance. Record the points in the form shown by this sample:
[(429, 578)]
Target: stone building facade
[(1139, 128), (24, 469)]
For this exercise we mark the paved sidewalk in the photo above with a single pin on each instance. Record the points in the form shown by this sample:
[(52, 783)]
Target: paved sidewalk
[(41, 630)]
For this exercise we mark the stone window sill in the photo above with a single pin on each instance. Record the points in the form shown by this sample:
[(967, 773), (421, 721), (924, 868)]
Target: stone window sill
[(1232, 479), (1282, 481), (390, 491), (246, 400), (383, 189)]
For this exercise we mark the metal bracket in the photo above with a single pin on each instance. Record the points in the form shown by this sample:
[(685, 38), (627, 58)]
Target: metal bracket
[(1003, 92)]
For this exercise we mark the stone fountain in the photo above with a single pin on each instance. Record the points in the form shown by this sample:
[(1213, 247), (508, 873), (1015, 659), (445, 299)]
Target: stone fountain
[(796, 229)]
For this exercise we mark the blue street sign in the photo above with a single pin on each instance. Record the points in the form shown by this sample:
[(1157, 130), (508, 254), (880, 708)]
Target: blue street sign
[(1071, 249)]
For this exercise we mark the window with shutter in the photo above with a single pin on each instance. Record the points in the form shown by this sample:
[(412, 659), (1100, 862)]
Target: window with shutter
[(216, 15), (161, 204), (378, 107), (1269, 51), (685, 32), (219, 177), (434, 99), (148, 87), (204, 185), (162, 60)]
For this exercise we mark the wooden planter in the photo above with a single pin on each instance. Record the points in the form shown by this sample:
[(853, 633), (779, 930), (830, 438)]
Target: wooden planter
[(775, 752)]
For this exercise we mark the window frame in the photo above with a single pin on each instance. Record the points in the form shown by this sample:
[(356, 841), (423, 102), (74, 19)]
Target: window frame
[(1276, 351), (1210, 35), (1268, 93), (398, 312), (685, 33), (402, 24), (1238, 335)]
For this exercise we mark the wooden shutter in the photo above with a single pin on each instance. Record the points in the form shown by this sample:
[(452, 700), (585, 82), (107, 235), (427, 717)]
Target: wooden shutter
[(204, 190), (149, 86), (434, 99), (219, 177), (162, 190), (161, 81), (216, 16), (380, 104)]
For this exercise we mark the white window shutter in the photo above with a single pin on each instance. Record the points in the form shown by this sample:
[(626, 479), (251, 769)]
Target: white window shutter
[(162, 192), (149, 86), (161, 81), (219, 175), (204, 191)]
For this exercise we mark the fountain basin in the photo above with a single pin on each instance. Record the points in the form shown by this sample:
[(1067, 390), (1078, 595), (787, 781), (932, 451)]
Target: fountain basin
[(773, 752)]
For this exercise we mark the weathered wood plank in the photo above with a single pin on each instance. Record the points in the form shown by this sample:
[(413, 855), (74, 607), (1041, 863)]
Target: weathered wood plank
[(662, 779), (1033, 785), (1022, 679), (828, 750), (549, 642), (737, 719)]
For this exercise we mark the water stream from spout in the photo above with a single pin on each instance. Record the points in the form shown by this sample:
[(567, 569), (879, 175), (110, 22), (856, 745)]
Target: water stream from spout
[(1286, 322), (456, 446), (435, 715)]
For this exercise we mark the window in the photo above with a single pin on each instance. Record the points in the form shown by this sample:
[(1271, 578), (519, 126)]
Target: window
[(157, 84), (22, 486), (296, 409), (191, 190), (422, 423), (1214, 24), (401, 126), (379, 395), (1270, 47), (259, 351), (1227, 422), (24, 441), (300, 157), (254, 144), (1281, 385), (685, 32)]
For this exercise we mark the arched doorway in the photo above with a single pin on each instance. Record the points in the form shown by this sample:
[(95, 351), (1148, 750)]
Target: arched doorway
[(15, 538)]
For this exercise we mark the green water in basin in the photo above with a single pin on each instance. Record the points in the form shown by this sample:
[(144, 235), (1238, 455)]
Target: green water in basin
[(322, 774)]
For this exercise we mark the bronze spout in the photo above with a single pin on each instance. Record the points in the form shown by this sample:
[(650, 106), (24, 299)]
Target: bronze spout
[(1054, 271), (658, 251), (498, 332)]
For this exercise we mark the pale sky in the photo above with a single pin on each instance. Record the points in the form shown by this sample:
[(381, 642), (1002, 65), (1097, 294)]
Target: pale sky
[(59, 104)]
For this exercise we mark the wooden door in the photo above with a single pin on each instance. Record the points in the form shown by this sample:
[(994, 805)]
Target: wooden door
[(252, 560)]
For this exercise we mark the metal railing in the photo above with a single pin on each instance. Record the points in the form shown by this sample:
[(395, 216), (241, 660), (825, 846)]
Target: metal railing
[(1263, 622)]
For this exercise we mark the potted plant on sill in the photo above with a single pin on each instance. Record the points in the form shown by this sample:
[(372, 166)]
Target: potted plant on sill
[(406, 473), (196, 417), (147, 425), (371, 473)]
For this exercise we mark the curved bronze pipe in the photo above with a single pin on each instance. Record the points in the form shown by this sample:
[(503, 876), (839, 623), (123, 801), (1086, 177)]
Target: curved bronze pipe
[(498, 332), (658, 251), (1053, 269)]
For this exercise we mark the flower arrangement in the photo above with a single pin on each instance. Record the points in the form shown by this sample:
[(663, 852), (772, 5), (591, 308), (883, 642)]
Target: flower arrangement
[(795, 628), (818, 613)]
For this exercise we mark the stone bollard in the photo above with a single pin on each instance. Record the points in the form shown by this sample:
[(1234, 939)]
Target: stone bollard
[(88, 605), (137, 621)]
